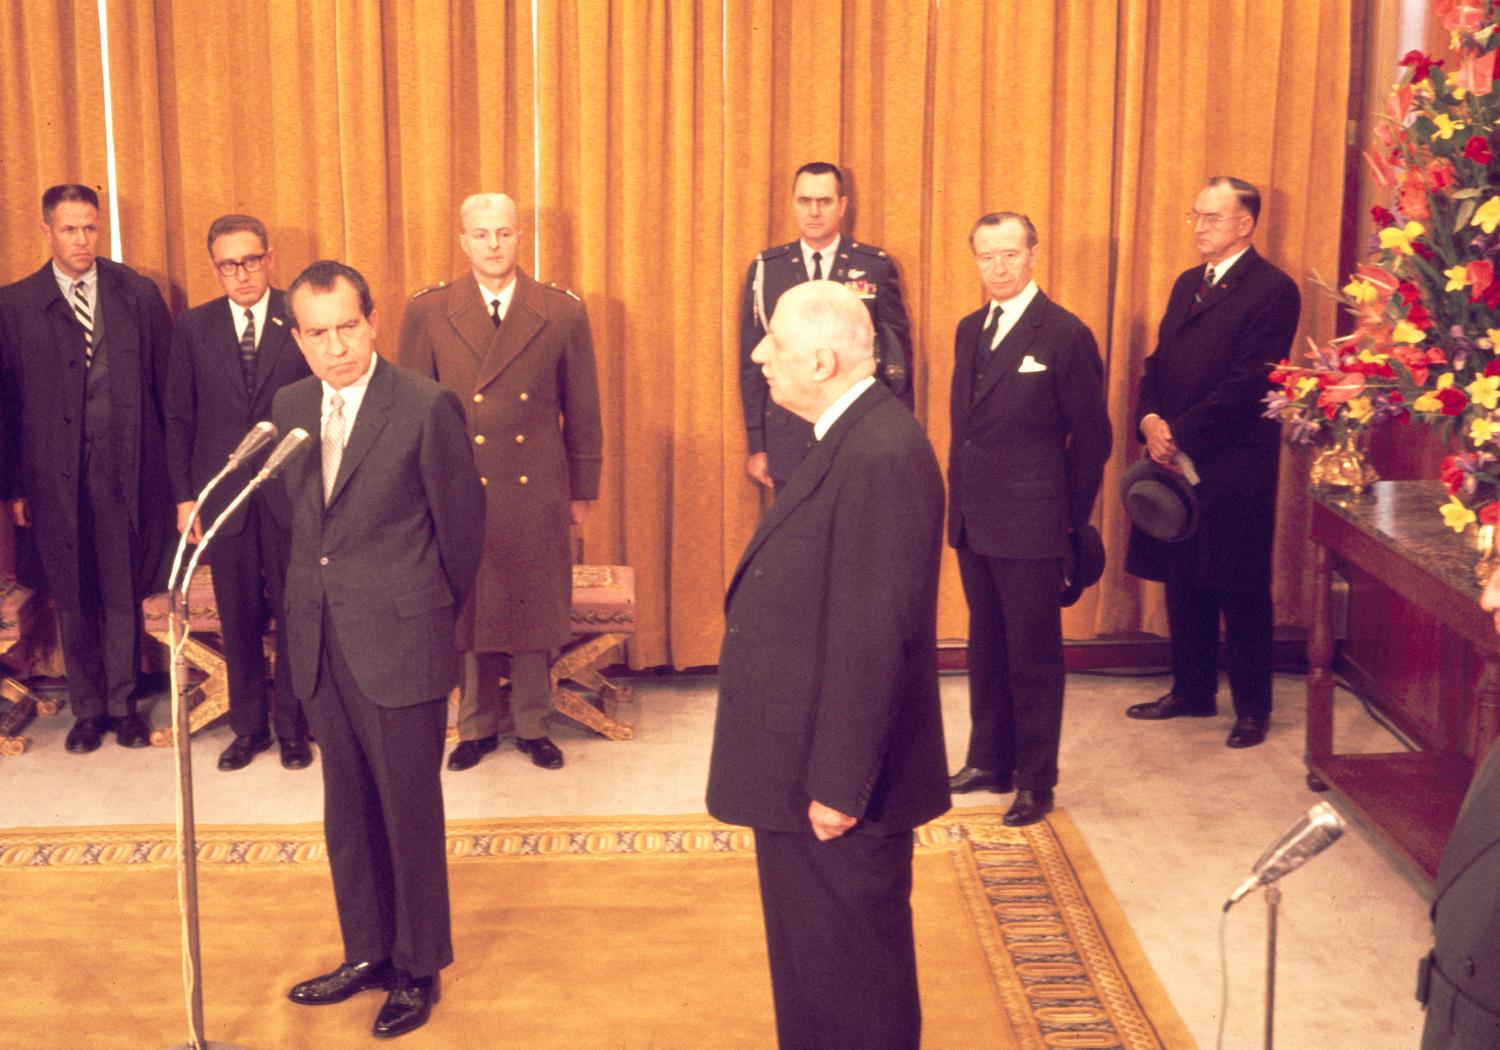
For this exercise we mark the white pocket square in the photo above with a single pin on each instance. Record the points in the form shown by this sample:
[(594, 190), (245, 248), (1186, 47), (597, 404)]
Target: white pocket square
[(1031, 364)]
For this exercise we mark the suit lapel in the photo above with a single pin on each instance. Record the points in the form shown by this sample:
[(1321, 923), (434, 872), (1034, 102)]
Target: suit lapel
[(966, 346), (1227, 283), (796, 271), (367, 426), (806, 478), (523, 321), (273, 343), (225, 346), (1006, 357), (470, 317)]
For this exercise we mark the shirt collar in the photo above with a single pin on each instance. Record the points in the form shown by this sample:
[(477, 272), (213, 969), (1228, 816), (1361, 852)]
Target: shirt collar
[(831, 414), (827, 254), (353, 393), (65, 283), (1016, 305), (258, 310), (1221, 268), (505, 297)]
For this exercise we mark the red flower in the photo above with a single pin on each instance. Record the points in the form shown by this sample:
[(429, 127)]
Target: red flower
[(1491, 296), (1454, 401), (1493, 368), (1480, 274), (1413, 196), (1419, 316), (1423, 250), (1420, 64), (1477, 149), (1408, 292), (1382, 216), (1489, 514), (1451, 474), (1440, 173)]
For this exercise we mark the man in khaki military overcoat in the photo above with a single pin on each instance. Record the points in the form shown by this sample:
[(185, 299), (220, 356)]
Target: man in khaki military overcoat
[(519, 355)]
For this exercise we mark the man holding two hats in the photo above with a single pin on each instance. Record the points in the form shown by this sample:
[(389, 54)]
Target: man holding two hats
[(1030, 437)]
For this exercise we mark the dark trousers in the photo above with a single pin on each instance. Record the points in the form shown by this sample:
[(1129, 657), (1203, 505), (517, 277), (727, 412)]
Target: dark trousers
[(249, 571), (1016, 673), (485, 709), (101, 639), (839, 934), (1193, 618), (383, 818)]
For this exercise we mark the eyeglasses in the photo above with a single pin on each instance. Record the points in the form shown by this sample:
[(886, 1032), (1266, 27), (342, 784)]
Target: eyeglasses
[(251, 263), (1207, 218)]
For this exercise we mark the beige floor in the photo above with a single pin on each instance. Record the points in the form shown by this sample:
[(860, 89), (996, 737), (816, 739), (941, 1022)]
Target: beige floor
[(1174, 818)]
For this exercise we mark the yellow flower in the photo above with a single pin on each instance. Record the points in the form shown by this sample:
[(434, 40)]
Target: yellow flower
[(1360, 409), (1399, 240), (1456, 515), (1487, 217), (1459, 94), (1305, 384), (1362, 291), (1482, 431), (1485, 390), (1444, 381), (1428, 402), (1458, 279), (1370, 357), (1446, 126), (1406, 332)]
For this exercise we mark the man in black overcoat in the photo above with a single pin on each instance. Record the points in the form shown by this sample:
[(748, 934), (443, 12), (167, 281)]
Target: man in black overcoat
[(83, 367), (1030, 438), (387, 525), (1199, 411), (829, 737), (229, 357), (778, 439)]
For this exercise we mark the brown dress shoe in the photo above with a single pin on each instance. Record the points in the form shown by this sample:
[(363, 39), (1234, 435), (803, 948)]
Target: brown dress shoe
[(1171, 706)]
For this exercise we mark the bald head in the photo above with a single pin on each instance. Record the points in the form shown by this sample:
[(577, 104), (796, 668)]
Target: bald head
[(820, 342), (489, 235)]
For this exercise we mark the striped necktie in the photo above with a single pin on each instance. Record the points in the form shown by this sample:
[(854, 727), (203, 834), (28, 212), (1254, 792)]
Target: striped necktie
[(85, 317), (1207, 286), (334, 433), (247, 351)]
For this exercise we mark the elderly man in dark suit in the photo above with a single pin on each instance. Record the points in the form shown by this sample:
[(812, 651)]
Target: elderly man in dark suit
[(1030, 437), (829, 738), (1199, 410), (778, 439), (520, 356), (387, 524), (229, 358), (1458, 982), (83, 367)]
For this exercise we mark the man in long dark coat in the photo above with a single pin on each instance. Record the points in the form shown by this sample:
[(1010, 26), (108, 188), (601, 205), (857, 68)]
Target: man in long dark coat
[(83, 365), (1199, 410)]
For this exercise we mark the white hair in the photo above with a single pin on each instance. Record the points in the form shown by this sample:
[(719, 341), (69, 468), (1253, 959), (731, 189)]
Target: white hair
[(825, 314), (483, 202)]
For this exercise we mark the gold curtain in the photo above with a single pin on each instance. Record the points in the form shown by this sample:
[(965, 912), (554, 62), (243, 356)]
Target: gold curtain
[(651, 146)]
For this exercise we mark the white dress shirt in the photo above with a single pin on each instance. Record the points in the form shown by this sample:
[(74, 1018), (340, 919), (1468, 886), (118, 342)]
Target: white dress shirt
[(825, 256), (503, 298), (831, 414), (258, 311), (90, 286), (353, 395), (1013, 308)]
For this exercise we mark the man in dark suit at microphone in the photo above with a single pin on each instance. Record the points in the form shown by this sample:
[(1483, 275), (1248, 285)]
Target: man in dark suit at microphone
[(229, 358), (387, 524)]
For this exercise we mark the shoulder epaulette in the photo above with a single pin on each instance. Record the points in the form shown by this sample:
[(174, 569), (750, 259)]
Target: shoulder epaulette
[(430, 288), (866, 249), (780, 249), (566, 291)]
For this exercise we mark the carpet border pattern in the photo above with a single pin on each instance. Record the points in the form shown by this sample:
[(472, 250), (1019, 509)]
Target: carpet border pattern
[(1066, 969)]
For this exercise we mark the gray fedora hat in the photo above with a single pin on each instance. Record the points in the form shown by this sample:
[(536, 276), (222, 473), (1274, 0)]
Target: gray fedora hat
[(1086, 564), (1159, 501)]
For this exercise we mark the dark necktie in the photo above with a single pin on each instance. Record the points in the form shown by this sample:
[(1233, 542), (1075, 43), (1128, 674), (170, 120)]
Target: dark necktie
[(85, 318), (247, 351), (987, 337), (817, 266), (1207, 286), (495, 311)]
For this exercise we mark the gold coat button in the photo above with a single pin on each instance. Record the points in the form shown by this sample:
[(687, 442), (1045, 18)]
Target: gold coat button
[(478, 439), (484, 481), (323, 560), (525, 480), (478, 398), (520, 439), (525, 396)]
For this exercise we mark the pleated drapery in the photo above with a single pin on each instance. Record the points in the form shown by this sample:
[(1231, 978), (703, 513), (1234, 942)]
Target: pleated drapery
[(651, 144)]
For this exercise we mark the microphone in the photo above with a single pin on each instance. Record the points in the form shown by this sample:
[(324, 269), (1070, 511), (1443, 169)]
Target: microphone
[(260, 435), (1313, 832), (291, 446)]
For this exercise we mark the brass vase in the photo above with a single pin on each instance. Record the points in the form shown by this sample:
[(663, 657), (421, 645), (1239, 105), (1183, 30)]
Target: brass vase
[(1483, 541), (1343, 465)]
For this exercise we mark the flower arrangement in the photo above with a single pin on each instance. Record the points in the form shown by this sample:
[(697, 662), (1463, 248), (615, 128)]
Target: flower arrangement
[(1426, 303)]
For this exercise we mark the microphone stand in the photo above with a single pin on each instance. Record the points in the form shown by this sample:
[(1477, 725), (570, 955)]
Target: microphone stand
[(1273, 907)]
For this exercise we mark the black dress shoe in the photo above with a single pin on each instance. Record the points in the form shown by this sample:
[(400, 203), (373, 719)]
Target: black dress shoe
[(1248, 732), (295, 754), (1028, 808), (542, 750), (86, 735), (408, 1006), (349, 979), (972, 778), (1171, 706), (468, 752), (241, 750), (131, 731)]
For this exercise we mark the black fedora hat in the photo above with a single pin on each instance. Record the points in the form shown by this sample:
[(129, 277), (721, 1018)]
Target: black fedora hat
[(1159, 501), (1085, 566)]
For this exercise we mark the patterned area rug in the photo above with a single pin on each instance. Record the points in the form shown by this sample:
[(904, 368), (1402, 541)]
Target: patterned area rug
[(615, 932)]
